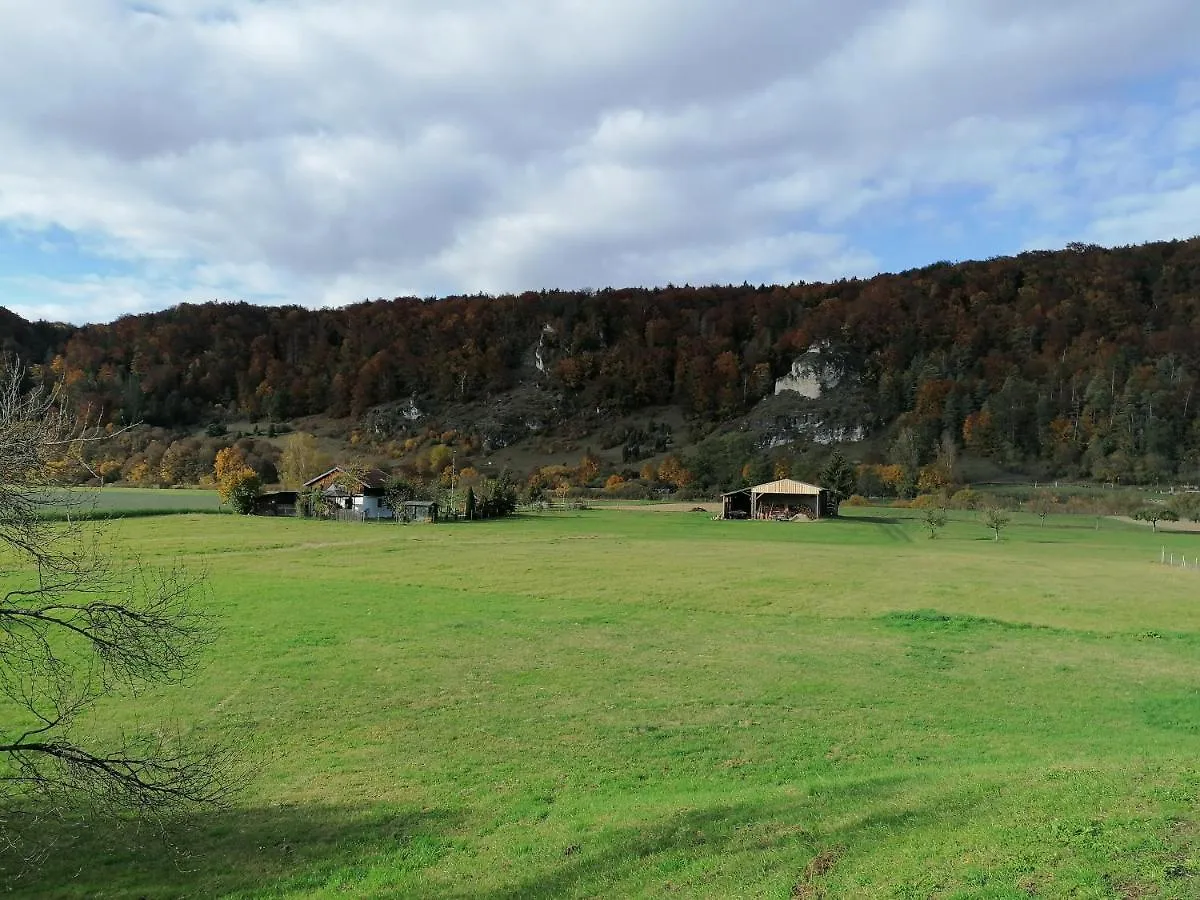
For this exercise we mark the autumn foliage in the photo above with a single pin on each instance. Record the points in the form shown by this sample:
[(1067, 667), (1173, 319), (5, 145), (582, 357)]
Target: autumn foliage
[(237, 483), (1083, 362)]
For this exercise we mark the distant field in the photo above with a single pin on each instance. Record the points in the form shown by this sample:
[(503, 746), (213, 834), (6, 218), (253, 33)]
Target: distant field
[(123, 499), (608, 703)]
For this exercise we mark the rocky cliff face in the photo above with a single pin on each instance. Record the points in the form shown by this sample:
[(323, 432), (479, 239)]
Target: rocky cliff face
[(819, 400), (790, 418), (813, 373)]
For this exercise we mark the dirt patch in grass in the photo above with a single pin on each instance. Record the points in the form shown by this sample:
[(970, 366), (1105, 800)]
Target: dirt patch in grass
[(820, 865)]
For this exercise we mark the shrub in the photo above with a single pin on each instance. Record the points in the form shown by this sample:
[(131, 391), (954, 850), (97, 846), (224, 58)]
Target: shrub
[(243, 492), (1041, 504), (1185, 506), (966, 499), (1081, 505), (632, 490), (857, 500), (929, 501)]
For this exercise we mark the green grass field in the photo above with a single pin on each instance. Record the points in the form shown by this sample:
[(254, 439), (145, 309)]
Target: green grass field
[(131, 503), (643, 703), (120, 499)]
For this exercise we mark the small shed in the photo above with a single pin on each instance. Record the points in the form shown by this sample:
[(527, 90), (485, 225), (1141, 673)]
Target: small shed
[(276, 503), (419, 511), (782, 499)]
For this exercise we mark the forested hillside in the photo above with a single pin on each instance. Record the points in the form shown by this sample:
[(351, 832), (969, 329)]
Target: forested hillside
[(1080, 363)]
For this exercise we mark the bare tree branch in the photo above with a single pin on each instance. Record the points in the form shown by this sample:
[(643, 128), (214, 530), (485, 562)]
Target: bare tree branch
[(143, 775), (75, 628)]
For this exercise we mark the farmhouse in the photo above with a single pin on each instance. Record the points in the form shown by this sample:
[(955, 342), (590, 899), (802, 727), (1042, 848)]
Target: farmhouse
[(783, 499), (353, 495)]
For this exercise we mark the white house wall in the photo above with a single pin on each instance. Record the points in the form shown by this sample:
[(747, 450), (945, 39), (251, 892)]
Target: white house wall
[(372, 508)]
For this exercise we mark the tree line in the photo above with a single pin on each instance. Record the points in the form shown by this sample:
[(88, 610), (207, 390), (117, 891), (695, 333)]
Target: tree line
[(1080, 363)]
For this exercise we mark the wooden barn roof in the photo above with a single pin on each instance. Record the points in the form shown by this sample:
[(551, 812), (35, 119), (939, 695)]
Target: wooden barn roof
[(787, 486)]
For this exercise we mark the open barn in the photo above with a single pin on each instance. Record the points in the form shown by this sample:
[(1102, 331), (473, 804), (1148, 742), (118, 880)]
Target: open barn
[(276, 503), (783, 499)]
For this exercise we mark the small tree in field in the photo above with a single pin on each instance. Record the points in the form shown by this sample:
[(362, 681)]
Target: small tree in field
[(997, 518), (1042, 504), (1155, 513), (935, 520)]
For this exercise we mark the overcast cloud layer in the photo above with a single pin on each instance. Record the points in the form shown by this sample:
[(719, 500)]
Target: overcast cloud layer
[(325, 152)]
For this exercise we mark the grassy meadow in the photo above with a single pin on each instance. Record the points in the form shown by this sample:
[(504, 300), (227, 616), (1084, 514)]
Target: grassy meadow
[(132, 502), (642, 703), (172, 499)]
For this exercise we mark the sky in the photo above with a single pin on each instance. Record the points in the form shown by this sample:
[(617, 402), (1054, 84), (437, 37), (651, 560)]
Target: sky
[(323, 153)]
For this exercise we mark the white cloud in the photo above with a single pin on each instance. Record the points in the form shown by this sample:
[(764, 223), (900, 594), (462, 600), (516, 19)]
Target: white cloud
[(319, 153), (1136, 218)]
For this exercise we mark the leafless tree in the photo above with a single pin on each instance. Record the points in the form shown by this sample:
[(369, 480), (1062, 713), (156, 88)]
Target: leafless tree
[(76, 627)]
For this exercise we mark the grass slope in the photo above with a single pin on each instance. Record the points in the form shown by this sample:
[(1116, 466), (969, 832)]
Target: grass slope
[(643, 703)]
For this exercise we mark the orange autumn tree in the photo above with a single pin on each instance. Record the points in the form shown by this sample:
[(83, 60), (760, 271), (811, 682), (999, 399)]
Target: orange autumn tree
[(588, 468), (237, 483), (672, 471)]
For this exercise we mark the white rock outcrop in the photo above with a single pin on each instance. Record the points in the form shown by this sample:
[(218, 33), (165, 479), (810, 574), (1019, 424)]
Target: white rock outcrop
[(539, 354), (812, 374)]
